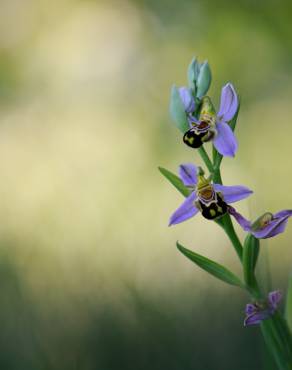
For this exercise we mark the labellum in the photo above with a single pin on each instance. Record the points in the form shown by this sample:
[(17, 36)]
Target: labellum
[(210, 203), (204, 129)]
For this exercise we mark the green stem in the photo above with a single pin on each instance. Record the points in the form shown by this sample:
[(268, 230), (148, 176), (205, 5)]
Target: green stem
[(229, 229), (204, 155), (217, 176), (227, 222), (217, 159), (278, 340)]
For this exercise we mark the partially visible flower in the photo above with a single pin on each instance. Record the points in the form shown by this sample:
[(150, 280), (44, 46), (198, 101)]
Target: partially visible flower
[(210, 126), (262, 310), (266, 226), (210, 199), (187, 99)]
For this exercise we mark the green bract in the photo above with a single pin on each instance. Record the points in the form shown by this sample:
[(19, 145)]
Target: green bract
[(193, 73), (249, 260), (199, 77), (203, 80), (175, 181), (177, 110)]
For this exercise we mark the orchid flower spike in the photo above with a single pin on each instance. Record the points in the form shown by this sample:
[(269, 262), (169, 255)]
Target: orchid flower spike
[(266, 226), (211, 126), (258, 311), (210, 199)]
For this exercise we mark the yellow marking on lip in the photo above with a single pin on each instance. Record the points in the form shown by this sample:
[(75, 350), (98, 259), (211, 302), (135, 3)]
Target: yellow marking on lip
[(220, 209), (212, 212)]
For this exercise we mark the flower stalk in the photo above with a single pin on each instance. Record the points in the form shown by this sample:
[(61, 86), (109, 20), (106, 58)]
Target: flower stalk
[(195, 116), (275, 330)]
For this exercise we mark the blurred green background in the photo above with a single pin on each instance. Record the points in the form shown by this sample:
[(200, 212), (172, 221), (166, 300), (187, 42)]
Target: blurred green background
[(89, 274)]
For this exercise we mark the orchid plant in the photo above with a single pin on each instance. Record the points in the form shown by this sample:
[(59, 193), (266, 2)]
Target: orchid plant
[(194, 115)]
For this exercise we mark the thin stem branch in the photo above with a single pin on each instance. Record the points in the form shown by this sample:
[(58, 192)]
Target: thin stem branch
[(204, 155), (227, 222)]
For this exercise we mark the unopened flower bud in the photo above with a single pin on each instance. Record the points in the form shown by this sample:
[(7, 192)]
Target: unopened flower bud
[(193, 73), (204, 80)]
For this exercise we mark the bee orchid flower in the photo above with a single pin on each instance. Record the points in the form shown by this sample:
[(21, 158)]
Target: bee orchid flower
[(258, 311), (210, 199), (211, 126), (266, 226)]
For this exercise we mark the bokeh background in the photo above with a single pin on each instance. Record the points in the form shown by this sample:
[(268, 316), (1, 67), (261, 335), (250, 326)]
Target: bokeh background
[(89, 274)]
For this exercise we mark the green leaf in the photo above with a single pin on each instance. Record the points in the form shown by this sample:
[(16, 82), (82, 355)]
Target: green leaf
[(250, 255), (177, 111), (193, 72), (204, 80), (288, 308), (175, 180), (213, 268)]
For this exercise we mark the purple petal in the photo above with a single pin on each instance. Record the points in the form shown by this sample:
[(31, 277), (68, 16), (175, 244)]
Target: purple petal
[(243, 222), (228, 103), (250, 308), (188, 174), (280, 228), (275, 298), (257, 317), (284, 213), (187, 99), (225, 141), (233, 193), (276, 226), (185, 211), (192, 120)]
